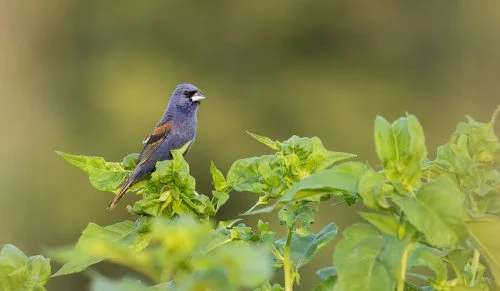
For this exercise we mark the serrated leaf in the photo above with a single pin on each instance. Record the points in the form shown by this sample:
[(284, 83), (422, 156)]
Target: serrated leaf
[(436, 211)]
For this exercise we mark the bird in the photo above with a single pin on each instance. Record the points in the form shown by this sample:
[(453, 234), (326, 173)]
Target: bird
[(176, 128)]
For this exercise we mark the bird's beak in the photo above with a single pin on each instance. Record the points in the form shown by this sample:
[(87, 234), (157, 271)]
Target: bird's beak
[(197, 97)]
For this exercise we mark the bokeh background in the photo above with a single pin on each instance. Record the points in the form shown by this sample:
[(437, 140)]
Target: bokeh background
[(93, 77)]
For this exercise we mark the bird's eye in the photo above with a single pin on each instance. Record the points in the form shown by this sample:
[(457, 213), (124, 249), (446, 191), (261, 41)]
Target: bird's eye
[(189, 93)]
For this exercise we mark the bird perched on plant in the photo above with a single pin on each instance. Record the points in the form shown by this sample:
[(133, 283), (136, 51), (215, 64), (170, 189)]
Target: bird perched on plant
[(176, 128)]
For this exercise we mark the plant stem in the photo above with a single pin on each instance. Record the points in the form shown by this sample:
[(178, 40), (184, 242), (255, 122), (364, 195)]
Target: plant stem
[(287, 263), (404, 261), (277, 253), (475, 263)]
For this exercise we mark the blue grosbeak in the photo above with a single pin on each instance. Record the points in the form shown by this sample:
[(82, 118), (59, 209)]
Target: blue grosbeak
[(175, 129)]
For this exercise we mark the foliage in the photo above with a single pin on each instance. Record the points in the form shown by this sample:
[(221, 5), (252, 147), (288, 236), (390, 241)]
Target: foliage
[(430, 224), (19, 272)]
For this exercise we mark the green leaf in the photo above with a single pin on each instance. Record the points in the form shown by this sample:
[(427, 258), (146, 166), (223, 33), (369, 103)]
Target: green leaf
[(365, 260), (220, 198), (275, 145), (401, 148), (422, 256), (386, 224), (326, 272), (484, 233), (18, 272), (266, 234), (325, 182), (328, 278), (243, 265), (374, 188), (104, 176), (312, 154), (78, 259), (130, 161), (218, 180), (304, 248), (436, 212), (175, 170), (100, 283), (262, 175)]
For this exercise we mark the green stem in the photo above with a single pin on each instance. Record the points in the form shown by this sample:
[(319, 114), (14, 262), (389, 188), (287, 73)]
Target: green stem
[(475, 263), (287, 263), (404, 261), (277, 253)]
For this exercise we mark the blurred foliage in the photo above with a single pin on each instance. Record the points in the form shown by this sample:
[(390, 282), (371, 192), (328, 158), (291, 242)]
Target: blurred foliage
[(19, 272), (93, 77)]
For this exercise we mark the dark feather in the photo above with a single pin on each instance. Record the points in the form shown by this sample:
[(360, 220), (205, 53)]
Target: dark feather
[(152, 142)]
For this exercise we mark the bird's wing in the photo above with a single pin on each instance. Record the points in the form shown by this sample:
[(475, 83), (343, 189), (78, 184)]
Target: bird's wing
[(154, 140)]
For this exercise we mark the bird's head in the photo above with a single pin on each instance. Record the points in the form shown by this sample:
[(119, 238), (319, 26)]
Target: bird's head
[(186, 97)]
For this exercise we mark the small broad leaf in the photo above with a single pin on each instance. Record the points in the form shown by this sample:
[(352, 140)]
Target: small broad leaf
[(312, 154), (304, 248), (328, 278), (104, 176), (262, 175), (19, 272), (78, 259), (130, 161), (326, 272), (221, 199), (484, 234), (374, 188), (436, 211), (244, 265), (386, 224), (366, 260), (218, 180), (401, 148), (322, 183), (422, 256)]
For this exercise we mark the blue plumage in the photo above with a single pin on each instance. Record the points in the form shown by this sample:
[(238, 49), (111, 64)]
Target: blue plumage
[(176, 127)]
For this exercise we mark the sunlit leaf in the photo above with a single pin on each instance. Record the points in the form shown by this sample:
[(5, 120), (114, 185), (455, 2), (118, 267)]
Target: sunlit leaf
[(436, 211), (366, 260), (104, 176), (19, 272)]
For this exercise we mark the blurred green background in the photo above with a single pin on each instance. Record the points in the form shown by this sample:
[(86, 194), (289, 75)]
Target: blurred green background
[(93, 77)]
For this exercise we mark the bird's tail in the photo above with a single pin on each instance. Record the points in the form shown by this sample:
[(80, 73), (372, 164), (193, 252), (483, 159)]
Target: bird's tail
[(128, 183)]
